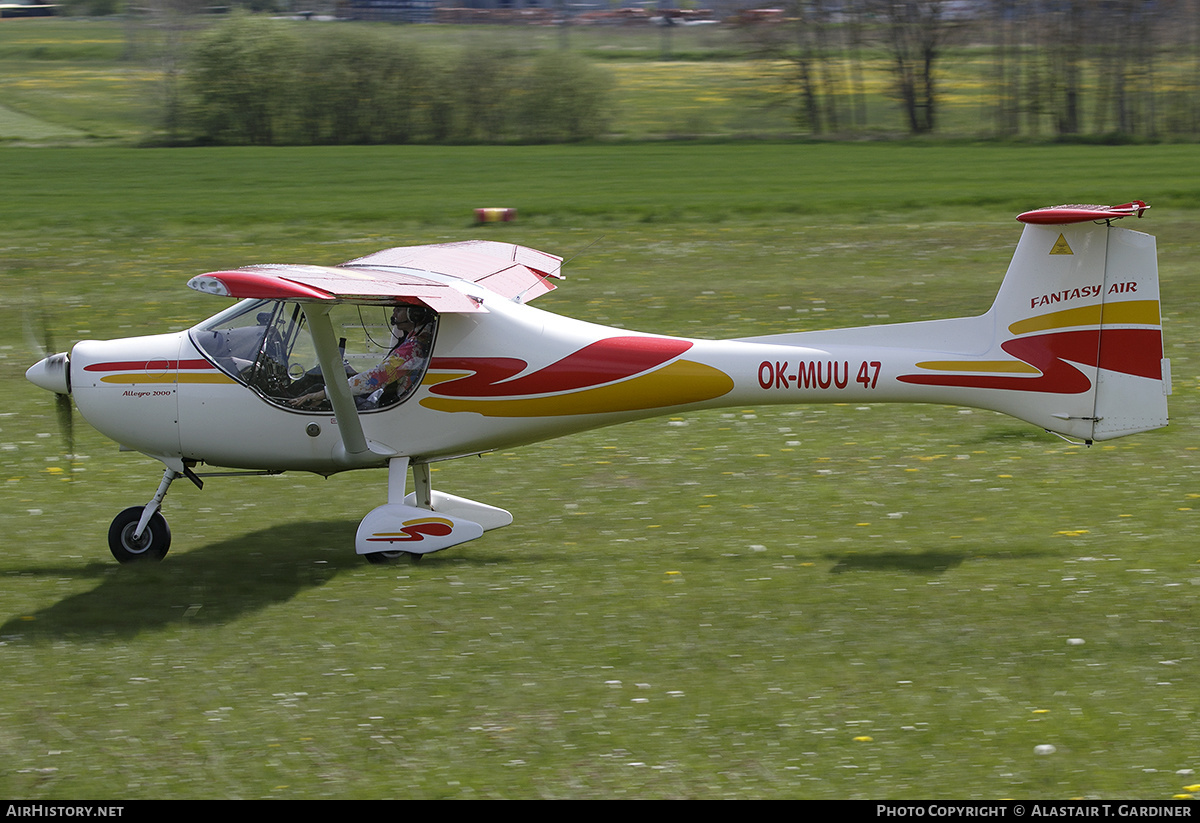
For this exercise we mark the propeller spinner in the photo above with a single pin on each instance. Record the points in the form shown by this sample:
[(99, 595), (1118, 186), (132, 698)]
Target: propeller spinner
[(52, 373)]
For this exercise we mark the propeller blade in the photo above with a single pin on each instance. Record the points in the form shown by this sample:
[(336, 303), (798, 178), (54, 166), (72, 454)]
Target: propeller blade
[(66, 422), (53, 374)]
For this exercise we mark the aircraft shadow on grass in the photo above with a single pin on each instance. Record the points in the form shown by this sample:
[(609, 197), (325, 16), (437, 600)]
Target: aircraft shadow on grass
[(209, 585), (926, 562), (220, 582), (929, 562)]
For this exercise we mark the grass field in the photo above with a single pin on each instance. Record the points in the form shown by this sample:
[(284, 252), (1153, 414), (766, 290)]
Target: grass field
[(837, 601)]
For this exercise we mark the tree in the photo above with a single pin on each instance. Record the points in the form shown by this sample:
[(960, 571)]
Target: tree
[(915, 34), (1065, 41), (816, 40), (240, 77)]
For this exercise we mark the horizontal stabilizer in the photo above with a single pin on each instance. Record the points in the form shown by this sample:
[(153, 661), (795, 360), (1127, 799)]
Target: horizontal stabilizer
[(1064, 215)]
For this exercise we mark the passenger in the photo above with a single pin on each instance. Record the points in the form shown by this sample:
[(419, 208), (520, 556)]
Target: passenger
[(398, 372)]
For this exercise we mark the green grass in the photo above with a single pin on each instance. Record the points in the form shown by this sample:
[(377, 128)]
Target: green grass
[(143, 191), (85, 80), (17, 126), (837, 601)]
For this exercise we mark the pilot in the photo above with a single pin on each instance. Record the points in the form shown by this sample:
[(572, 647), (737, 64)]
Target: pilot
[(400, 369)]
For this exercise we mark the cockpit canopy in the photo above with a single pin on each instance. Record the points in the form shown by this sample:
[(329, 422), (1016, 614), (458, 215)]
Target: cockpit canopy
[(266, 345)]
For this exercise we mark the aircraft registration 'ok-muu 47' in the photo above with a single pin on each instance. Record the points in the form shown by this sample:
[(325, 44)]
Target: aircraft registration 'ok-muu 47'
[(419, 354)]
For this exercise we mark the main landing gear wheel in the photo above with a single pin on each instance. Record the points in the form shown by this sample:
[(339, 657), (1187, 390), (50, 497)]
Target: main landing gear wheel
[(388, 558), (151, 546)]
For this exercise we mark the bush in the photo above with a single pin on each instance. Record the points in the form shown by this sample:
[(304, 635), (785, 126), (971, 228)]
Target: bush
[(480, 93), (251, 80), (87, 8), (564, 99), (240, 82), (355, 87)]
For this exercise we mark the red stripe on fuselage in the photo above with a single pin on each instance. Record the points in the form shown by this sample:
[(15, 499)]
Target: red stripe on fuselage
[(1136, 352), (141, 365), (604, 361)]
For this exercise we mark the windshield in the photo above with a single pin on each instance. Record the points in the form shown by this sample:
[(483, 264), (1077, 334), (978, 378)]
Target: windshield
[(266, 345)]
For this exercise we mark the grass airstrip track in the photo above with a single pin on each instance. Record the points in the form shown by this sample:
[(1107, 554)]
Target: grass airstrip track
[(835, 601)]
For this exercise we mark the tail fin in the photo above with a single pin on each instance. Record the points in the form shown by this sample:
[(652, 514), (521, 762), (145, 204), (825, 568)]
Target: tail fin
[(1080, 308), (1072, 343)]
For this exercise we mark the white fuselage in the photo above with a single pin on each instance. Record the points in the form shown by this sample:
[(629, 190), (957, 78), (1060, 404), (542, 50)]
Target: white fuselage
[(160, 395)]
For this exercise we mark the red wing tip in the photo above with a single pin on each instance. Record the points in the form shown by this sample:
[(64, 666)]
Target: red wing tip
[(1081, 213), (242, 283)]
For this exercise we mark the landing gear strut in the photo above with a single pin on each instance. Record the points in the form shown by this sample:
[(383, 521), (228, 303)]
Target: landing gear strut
[(141, 533)]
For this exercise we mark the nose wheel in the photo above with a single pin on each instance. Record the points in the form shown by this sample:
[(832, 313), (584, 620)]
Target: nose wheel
[(128, 546), (141, 532)]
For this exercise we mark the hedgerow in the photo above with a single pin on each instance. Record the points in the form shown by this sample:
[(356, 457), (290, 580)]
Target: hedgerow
[(254, 81)]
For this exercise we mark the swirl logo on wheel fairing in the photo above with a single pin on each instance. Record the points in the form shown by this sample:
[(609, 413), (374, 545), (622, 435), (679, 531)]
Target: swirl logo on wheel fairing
[(415, 530), (611, 375)]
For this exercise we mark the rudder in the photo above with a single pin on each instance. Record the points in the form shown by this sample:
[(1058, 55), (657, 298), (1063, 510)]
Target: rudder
[(1134, 377)]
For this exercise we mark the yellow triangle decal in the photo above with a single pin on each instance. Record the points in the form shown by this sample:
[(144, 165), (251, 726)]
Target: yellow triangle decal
[(1061, 246)]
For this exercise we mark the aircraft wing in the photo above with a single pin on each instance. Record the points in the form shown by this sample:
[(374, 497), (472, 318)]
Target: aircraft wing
[(507, 269), (426, 274)]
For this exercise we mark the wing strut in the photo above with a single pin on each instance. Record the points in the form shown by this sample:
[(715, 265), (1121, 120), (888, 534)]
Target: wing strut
[(355, 450)]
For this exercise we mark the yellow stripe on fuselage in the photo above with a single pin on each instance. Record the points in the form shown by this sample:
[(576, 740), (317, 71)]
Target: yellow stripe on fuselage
[(1126, 312), (679, 383), (987, 366)]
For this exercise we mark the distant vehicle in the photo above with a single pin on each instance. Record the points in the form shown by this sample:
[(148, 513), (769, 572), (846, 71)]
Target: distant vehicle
[(30, 9), (418, 354)]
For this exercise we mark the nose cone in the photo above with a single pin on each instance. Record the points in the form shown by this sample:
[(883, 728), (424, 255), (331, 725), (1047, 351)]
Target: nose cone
[(52, 373)]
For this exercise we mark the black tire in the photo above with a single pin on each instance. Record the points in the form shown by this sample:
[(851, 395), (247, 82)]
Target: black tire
[(388, 558), (152, 546)]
